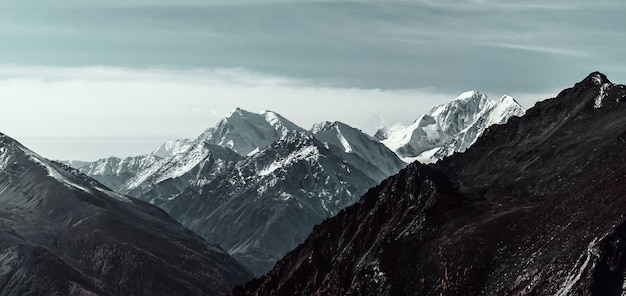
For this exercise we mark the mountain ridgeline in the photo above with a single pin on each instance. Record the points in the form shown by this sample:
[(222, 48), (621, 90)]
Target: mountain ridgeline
[(535, 207), (448, 128), (63, 233), (256, 183)]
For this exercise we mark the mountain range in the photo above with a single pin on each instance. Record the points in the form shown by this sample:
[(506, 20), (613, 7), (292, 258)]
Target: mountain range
[(63, 233), (256, 183), (534, 207)]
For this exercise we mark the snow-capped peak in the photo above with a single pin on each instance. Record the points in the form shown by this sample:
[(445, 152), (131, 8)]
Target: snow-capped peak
[(506, 99), (355, 143), (470, 94), (245, 132), (597, 78), (331, 133), (461, 111), (455, 125), (320, 126), (280, 123)]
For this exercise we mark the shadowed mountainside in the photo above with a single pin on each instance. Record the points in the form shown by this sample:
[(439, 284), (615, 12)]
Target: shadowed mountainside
[(63, 233)]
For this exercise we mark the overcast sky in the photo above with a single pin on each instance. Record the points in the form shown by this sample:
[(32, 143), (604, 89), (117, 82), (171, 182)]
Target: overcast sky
[(88, 79)]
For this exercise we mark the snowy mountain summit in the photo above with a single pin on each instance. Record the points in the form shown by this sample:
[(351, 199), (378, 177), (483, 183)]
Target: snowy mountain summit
[(246, 133), (448, 128)]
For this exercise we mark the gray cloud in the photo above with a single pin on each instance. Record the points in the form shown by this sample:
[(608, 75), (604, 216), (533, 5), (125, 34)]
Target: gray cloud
[(366, 44)]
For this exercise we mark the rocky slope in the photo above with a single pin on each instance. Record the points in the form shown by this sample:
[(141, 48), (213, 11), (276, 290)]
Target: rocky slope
[(63, 233), (448, 128), (534, 207)]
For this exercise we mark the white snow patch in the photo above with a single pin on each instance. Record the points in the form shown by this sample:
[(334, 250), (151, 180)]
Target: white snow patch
[(598, 101), (52, 172), (270, 169), (306, 153), (344, 142), (4, 158), (172, 167), (114, 195), (285, 196), (579, 269), (253, 152), (143, 176), (185, 163), (427, 156), (467, 95)]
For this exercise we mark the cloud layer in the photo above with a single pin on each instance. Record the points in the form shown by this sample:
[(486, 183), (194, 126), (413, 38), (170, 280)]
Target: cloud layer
[(499, 45)]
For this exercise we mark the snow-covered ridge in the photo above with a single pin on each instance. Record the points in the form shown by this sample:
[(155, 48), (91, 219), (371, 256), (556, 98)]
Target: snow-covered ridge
[(172, 147), (309, 153), (448, 128), (11, 151), (52, 172)]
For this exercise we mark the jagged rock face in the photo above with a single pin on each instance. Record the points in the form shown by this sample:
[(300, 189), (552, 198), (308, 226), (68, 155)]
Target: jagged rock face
[(534, 207), (115, 172), (62, 233), (118, 173), (448, 128), (155, 179), (165, 179)]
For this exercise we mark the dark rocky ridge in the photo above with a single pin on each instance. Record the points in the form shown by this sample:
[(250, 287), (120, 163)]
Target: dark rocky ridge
[(535, 207), (62, 233)]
